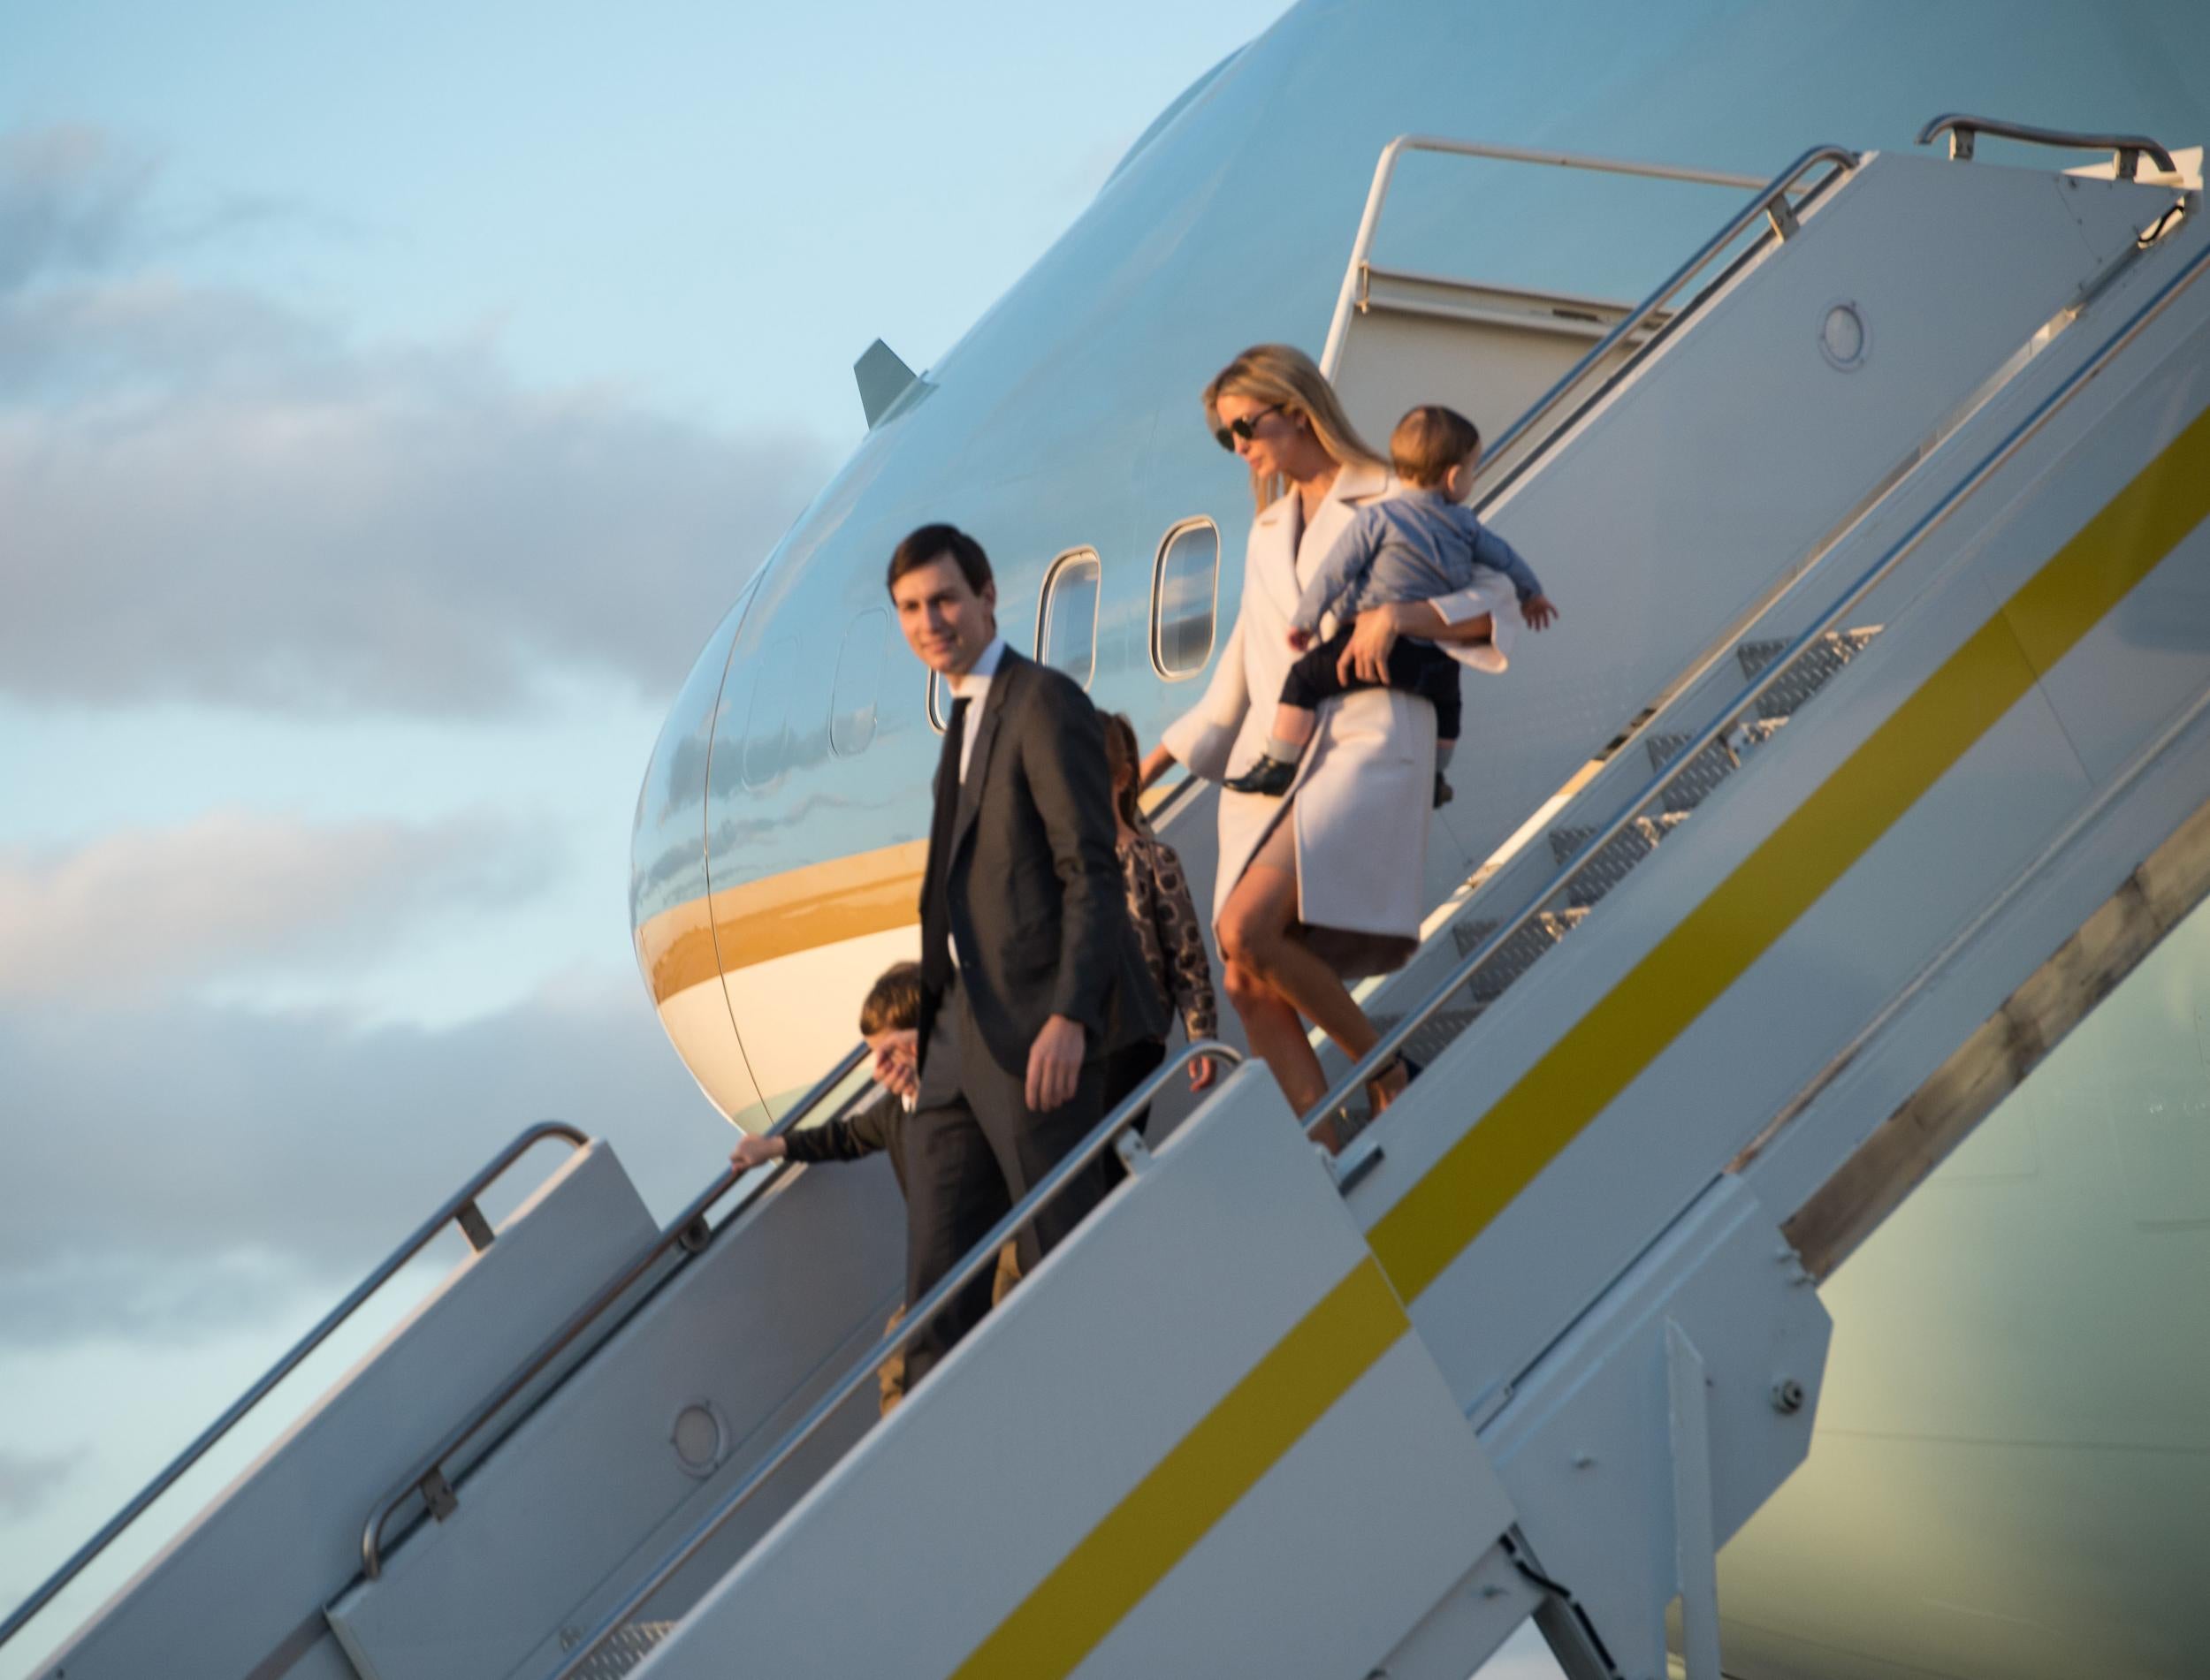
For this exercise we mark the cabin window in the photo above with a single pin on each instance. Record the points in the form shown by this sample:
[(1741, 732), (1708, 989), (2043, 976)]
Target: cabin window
[(767, 729), (1066, 623), (858, 675), (1184, 598)]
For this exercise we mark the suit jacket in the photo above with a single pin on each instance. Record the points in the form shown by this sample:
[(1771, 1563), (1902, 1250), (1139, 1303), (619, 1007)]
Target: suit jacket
[(880, 1125), (1032, 883)]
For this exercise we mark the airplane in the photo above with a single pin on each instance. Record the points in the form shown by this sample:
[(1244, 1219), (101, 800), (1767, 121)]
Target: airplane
[(2000, 1470), (1990, 1402)]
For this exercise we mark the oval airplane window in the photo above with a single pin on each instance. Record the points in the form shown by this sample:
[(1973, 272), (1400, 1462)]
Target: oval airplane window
[(1066, 622), (1184, 598), (858, 675), (766, 731)]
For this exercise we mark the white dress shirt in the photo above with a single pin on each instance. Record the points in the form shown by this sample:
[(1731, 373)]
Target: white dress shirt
[(974, 689)]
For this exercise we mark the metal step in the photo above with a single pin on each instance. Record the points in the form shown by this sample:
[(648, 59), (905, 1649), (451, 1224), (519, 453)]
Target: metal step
[(1520, 953), (1808, 675), (629, 1645), (1609, 867), (1713, 765)]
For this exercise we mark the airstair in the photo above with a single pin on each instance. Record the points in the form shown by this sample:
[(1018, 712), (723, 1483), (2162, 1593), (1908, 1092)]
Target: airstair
[(1905, 765)]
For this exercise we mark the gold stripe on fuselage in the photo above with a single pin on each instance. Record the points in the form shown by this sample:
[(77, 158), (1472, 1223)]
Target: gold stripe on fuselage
[(800, 909)]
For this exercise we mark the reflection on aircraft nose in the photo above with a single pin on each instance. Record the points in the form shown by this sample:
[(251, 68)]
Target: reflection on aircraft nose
[(670, 902)]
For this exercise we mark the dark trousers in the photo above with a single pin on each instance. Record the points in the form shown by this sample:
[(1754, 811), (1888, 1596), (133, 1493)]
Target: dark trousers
[(1414, 667), (973, 1148), (1125, 1069)]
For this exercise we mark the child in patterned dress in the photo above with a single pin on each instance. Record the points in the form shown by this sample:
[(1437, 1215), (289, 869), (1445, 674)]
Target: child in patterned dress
[(1166, 928)]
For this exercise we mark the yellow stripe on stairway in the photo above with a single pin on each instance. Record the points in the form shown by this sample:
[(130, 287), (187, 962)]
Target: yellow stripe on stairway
[(1711, 947), (1070, 1612), (1196, 1484)]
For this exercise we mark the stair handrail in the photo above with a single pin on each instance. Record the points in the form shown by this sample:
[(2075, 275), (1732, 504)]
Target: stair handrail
[(1771, 205), (862, 1372), (1729, 715), (2127, 149), (688, 1231), (1384, 174), (459, 1209)]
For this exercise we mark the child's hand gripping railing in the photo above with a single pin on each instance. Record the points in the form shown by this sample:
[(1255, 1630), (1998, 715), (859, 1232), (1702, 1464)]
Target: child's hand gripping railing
[(1105, 1135)]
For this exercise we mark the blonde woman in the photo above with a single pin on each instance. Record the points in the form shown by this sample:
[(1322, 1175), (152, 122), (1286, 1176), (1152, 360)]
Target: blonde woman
[(1324, 885)]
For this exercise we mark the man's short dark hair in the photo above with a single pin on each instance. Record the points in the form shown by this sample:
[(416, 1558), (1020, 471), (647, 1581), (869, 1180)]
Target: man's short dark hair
[(933, 542)]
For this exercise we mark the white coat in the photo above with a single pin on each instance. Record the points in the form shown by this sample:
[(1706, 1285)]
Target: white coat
[(1364, 788)]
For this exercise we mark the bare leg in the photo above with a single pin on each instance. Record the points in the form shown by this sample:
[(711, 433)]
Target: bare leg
[(1255, 934), (1276, 1036), (1276, 1033)]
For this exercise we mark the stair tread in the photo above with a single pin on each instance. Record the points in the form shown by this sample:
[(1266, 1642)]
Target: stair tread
[(1711, 766), (627, 1647), (1810, 672)]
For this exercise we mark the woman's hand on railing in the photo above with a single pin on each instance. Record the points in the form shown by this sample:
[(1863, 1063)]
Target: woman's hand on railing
[(1202, 1073)]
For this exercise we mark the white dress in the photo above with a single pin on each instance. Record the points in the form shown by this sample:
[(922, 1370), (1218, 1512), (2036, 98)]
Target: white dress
[(1365, 789)]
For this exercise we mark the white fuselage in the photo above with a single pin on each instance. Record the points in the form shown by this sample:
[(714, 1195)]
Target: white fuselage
[(1968, 1426)]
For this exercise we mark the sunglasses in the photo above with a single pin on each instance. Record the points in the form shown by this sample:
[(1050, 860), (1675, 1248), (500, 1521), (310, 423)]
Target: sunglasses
[(1246, 428)]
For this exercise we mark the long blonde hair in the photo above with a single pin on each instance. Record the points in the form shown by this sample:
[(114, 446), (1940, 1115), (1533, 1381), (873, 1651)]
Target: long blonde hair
[(1283, 374)]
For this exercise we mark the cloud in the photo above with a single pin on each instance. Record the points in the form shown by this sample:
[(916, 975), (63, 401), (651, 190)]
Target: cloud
[(232, 891), (182, 1165), (28, 1480), (70, 199), (206, 494), (131, 1298)]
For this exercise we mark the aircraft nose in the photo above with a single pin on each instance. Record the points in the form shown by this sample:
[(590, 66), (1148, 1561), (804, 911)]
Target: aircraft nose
[(670, 913)]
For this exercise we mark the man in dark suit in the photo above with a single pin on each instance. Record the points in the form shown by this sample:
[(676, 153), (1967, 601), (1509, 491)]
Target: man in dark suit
[(1031, 974)]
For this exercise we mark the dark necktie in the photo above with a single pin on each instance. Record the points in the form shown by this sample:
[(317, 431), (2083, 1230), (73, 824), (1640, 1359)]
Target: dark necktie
[(936, 967)]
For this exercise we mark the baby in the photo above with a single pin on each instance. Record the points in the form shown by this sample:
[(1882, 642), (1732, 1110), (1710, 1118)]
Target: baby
[(1415, 545)]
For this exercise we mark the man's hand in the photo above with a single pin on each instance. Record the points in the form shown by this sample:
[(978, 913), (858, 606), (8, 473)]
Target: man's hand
[(1055, 1064), (1301, 640), (753, 1152), (1539, 611), (1202, 1073)]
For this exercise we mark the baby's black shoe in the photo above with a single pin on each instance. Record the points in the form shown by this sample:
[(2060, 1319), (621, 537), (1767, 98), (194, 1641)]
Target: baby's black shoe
[(1270, 776), (1443, 792)]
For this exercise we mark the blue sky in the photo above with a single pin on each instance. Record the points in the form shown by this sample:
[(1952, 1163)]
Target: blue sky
[(391, 399)]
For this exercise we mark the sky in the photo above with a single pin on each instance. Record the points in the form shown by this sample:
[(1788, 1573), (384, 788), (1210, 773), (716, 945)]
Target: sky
[(391, 399)]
